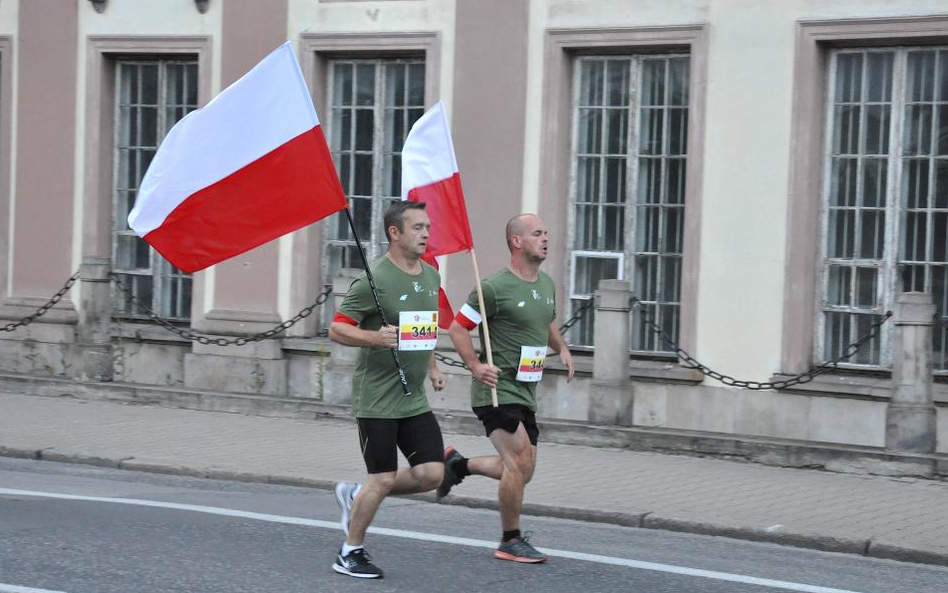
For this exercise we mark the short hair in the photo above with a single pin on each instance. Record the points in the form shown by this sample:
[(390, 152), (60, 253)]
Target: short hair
[(514, 226), (395, 215)]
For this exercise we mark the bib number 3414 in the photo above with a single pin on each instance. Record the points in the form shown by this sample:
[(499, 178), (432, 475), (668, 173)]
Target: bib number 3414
[(532, 359), (417, 330)]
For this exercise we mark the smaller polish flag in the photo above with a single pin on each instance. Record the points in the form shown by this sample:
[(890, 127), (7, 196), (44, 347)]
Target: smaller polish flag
[(250, 166), (430, 175)]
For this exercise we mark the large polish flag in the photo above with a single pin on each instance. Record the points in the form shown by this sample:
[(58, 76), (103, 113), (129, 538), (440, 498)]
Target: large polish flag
[(430, 175), (250, 166)]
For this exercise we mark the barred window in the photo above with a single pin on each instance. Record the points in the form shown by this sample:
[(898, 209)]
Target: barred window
[(373, 104), (885, 195), (628, 188), (151, 96)]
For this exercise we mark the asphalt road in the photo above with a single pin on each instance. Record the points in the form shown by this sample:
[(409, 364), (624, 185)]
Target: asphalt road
[(76, 529)]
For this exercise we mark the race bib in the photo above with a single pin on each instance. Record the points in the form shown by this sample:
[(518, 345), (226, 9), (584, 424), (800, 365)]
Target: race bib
[(417, 330), (532, 358)]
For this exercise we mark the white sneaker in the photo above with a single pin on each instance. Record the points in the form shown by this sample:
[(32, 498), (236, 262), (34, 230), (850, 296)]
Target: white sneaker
[(345, 494)]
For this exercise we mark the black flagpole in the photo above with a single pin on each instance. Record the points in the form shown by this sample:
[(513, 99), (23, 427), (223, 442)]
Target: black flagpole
[(378, 304)]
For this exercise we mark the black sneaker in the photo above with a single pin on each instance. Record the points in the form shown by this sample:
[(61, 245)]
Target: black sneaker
[(450, 479), (357, 563)]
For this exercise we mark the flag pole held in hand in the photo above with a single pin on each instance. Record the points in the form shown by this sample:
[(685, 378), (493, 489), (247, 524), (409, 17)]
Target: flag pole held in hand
[(480, 305), (375, 296)]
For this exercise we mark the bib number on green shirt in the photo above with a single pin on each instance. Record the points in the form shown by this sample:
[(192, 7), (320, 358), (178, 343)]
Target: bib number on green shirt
[(417, 330), (532, 359)]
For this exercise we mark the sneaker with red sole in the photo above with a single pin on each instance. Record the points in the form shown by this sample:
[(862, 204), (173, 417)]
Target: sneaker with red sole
[(519, 549)]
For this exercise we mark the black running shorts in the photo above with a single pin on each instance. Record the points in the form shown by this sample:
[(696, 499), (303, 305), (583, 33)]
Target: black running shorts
[(418, 437), (508, 417)]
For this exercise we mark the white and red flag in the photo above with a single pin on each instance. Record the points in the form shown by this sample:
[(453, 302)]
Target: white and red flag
[(430, 175), (250, 166)]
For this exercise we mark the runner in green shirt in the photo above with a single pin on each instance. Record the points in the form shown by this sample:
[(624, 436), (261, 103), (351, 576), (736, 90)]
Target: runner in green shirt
[(520, 308), (389, 420)]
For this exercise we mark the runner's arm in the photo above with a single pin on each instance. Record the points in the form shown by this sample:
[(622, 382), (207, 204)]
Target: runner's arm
[(434, 373), (558, 345), (352, 335), (461, 338)]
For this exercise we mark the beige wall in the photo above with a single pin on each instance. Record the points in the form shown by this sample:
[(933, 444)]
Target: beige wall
[(46, 118), (492, 58), (743, 208)]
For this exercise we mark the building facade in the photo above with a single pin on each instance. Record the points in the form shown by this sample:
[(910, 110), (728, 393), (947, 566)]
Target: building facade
[(767, 175)]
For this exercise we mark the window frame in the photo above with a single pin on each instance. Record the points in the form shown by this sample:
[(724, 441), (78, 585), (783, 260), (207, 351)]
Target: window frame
[(814, 41), (617, 255), (630, 204), (161, 271), (561, 46), (888, 286), (97, 173)]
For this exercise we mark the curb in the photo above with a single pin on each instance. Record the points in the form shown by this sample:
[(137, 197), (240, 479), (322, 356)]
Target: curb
[(644, 520)]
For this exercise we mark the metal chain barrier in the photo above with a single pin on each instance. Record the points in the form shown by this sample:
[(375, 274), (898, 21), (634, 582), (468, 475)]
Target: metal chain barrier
[(42, 310), (580, 313), (687, 360), (692, 363), (189, 334)]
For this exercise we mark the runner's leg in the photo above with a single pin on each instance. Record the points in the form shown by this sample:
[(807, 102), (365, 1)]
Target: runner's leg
[(518, 458), (421, 478), (366, 503)]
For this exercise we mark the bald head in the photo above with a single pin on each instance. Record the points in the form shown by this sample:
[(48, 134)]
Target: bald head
[(517, 226)]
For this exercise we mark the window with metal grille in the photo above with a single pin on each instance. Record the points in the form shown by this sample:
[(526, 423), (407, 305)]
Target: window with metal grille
[(373, 104), (630, 130), (885, 195), (151, 96)]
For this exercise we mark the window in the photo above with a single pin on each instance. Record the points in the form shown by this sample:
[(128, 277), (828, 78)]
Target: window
[(151, 96), (373, 104), (628, 191), (885, 195)]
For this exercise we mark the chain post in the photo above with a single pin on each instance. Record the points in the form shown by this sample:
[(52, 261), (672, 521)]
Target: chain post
[(93, 350)]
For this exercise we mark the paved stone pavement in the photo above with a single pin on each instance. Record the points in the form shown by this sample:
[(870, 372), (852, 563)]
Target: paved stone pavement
[(901, 518)]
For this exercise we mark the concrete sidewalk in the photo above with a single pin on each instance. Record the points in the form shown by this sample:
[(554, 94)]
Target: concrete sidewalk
[(900, 518)]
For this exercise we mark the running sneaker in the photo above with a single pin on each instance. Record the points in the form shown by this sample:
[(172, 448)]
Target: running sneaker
[(450, 479), (519, 550), (357, 563), (345, 494)]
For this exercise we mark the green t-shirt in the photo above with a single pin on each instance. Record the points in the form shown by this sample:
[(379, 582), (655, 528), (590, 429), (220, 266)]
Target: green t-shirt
[(376, 389), (519, 314)]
